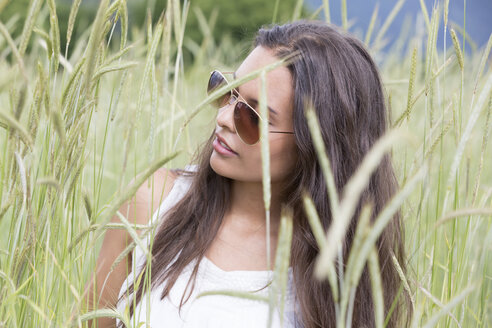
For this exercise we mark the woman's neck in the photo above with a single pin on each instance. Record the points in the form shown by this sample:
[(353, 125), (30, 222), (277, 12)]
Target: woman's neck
[(247, 208)]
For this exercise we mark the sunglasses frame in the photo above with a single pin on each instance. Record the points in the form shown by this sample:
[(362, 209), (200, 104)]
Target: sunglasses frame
[(236, 101)]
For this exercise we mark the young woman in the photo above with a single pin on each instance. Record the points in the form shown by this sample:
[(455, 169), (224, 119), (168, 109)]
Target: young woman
[(212, 229)]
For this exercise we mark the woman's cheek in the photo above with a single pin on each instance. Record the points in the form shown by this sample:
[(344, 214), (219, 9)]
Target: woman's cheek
[(282, 162)]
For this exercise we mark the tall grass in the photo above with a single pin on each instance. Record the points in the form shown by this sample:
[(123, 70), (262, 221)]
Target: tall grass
[(74, 131)]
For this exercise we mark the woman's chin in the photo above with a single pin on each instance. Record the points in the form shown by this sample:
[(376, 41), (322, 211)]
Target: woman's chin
[(219, 166), (227, 170)]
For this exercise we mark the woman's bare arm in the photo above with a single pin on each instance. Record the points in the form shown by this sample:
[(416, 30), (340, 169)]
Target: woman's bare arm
[(137, 210)]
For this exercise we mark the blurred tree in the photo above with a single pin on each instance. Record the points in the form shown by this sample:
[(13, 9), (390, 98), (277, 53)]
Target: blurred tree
[(20, 9), (239, 19)]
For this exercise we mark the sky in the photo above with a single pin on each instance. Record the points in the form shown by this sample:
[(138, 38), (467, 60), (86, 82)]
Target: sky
[(478, 17)]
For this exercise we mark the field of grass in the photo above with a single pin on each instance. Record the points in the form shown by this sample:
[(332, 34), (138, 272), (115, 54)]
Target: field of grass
[(75, 131)]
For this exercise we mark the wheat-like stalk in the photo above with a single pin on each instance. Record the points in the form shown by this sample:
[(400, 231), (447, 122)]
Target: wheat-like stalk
[(68, 148), (457, 49)]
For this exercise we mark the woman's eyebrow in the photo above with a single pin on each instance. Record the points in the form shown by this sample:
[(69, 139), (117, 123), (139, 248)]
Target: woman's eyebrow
[(252, 100)]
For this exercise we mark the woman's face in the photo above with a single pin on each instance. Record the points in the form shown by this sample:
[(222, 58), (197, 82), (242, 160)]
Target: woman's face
[(245, 164)]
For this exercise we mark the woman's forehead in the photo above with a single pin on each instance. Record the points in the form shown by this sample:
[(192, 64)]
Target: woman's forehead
[(261, 57), (278, 81)]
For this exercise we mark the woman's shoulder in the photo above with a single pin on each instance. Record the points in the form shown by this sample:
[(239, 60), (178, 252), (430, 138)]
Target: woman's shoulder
[(188, 171), (163, 180), (148, 195), (152, 193), (158, 185)]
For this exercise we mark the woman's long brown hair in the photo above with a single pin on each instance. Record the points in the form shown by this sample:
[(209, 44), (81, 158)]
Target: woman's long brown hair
[(336, 73)]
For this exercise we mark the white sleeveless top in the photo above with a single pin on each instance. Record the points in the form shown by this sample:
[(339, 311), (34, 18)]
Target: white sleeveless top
[(212, 310)]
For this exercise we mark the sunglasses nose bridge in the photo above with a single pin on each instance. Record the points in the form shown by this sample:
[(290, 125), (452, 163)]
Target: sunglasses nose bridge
[(225, 116), (246, 129)]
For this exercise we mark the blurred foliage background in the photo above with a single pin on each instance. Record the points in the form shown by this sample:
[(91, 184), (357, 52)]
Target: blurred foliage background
[(74, 130), (239, 19)]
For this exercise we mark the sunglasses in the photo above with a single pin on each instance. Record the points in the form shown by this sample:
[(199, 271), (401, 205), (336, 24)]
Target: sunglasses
[(246, 119)]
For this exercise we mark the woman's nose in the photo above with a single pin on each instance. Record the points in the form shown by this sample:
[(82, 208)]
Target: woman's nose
[(225, 116)]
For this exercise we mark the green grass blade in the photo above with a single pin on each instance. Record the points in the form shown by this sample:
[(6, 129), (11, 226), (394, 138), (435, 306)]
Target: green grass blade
[(351, 194), (32, 15)]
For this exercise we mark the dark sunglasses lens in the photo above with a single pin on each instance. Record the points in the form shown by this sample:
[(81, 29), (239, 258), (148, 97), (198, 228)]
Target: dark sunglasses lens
[(217, 81), (246, 122)]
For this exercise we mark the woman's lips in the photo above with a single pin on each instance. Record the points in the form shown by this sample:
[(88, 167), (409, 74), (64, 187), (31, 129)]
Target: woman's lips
[(221, 149)]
